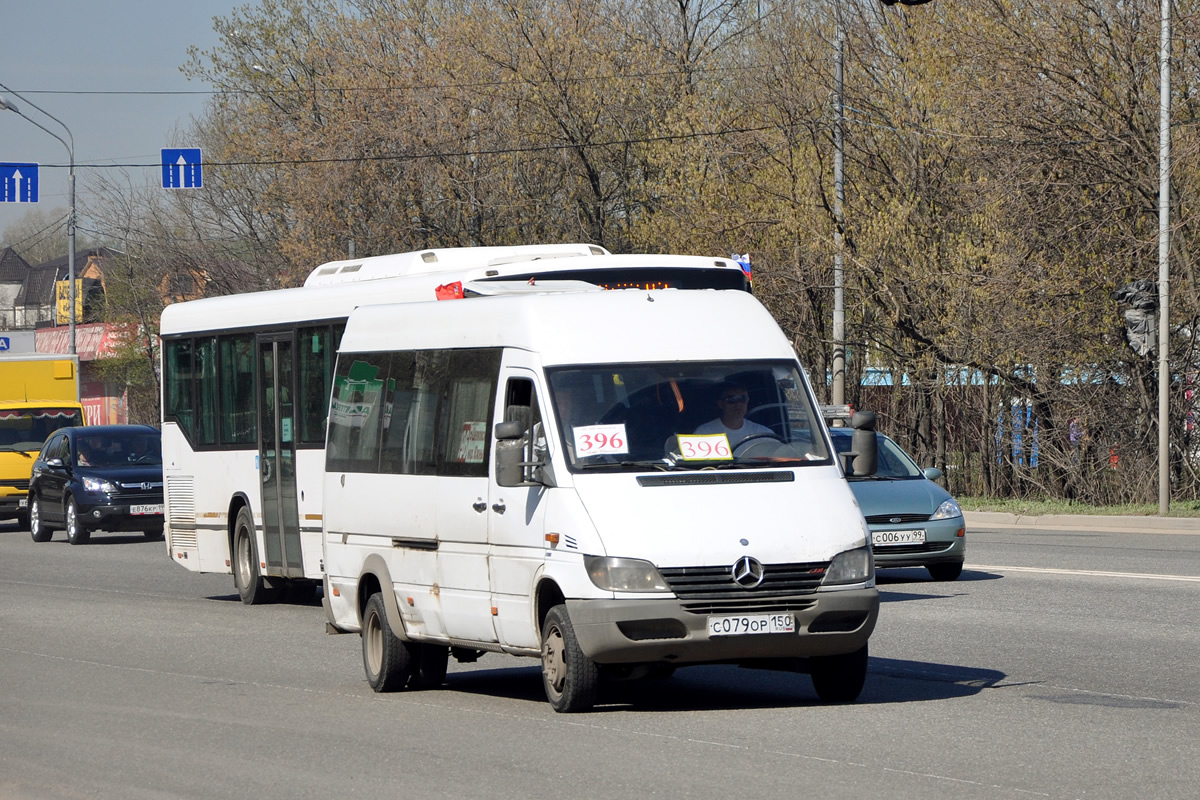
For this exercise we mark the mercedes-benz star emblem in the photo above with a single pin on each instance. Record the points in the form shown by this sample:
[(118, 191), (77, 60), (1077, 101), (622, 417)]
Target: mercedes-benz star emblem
[(747, 572)]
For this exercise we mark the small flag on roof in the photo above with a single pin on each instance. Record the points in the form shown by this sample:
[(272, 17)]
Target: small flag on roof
[(743, 261)]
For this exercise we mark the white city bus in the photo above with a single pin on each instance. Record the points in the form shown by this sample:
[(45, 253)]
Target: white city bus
[(246, 387)]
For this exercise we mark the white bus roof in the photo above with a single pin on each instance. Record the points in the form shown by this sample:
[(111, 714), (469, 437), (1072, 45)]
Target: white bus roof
[(628, 325), (442, 260), (336, 300)]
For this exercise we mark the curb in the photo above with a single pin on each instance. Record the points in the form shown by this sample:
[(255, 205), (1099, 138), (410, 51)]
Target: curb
[(1083, 522)]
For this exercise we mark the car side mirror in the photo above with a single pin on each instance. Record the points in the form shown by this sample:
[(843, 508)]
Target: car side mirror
[(933, 473), (54, 462)]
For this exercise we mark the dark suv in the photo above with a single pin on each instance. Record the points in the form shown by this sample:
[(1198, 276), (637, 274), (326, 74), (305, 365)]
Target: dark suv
[(99, 477)]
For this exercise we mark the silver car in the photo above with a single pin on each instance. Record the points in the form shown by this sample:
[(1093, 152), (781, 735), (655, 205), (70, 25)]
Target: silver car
[(914, 522)]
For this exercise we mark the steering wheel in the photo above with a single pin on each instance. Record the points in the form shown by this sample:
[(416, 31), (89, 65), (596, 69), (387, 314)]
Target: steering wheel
[(741, 447)]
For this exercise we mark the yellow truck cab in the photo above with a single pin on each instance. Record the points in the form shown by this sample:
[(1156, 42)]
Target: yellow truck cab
[(38, 395)]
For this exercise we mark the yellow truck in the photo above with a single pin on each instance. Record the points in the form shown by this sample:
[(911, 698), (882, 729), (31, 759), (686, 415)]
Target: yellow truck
[(38, 395)]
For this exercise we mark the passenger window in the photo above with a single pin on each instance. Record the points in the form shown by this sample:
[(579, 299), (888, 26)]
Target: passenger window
[(178, 390), (205, 356), (315, 362), (357, 413), (236, 367)]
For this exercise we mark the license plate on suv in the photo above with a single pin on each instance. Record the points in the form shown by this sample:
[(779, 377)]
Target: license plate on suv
[(146, 509)]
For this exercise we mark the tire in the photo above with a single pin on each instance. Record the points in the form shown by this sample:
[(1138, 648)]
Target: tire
[(839, 679), (945, 571), (250, 585), (430, 666), (153, 536), (388, 660), (569, 677), (22, 519), (38, 529), (76, 533)]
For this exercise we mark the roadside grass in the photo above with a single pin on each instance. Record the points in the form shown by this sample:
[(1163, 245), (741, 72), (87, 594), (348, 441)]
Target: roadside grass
[(1036, 507)]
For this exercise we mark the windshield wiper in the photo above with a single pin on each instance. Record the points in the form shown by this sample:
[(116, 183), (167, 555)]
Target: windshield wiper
[(14, 449)]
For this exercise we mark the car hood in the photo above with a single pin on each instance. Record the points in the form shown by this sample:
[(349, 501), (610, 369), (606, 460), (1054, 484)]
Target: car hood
[(812, 518), (134, 473), (898, 496)]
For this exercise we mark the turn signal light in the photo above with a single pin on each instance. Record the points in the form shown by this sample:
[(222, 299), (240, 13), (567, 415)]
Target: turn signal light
[(552, 538)]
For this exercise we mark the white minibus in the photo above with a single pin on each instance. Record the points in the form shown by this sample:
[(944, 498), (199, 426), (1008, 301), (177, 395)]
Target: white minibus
[(616, 482)]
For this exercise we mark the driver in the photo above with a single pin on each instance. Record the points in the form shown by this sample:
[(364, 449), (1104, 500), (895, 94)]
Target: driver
[(733, 402)]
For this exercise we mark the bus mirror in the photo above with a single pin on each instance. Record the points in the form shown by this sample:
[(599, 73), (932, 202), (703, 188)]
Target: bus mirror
[(864, 444), (509, 455), (509, 430)]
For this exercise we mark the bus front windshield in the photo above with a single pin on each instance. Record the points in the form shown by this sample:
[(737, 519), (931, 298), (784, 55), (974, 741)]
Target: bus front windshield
[(686, 415)]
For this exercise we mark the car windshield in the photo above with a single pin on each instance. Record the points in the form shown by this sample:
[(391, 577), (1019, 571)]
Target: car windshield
[(26, 429), (118, 449), (893, 461), (686, 415)]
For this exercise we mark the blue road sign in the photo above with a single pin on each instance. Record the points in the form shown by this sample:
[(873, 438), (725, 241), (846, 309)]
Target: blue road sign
[(181, 168), (18, 183), (5, 344)]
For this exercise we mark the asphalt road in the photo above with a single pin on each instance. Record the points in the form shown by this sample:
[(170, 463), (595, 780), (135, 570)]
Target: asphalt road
[(1064, 664)]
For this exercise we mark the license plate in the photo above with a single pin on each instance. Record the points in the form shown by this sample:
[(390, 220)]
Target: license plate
[(885, 538), (149, 509), (23, 502), (744, 624)]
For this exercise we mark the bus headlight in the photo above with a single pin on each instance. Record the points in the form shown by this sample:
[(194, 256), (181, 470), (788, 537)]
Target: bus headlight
[(624, 574), (851, 566)]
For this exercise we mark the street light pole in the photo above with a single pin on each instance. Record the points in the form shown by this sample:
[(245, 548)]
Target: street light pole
[(838, 396), (7, 105), (1164, 271)]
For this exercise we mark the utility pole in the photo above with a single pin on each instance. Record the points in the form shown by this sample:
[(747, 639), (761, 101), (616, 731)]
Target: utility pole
[(1164, 271)]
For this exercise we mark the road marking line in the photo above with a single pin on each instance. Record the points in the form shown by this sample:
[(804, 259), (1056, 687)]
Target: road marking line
[(1090, 572)]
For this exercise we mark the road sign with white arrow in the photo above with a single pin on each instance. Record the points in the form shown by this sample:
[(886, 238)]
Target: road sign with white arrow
[(18, 183), (181, 168)]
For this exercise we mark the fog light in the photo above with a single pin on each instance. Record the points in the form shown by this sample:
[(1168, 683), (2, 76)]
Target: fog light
[(96, 513)]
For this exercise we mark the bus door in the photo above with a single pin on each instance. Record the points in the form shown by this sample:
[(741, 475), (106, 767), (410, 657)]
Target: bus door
[(277, 455)]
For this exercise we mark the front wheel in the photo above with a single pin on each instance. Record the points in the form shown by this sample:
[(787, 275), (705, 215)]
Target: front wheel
[(570, 677), (945, 571), (38, 529), (839, 679), (76, 533), (246, 577), (388, 660)]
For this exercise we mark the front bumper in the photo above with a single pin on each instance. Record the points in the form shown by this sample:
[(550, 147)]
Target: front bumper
[(942, 544), (117, 517), (639, 631), (12, 505)]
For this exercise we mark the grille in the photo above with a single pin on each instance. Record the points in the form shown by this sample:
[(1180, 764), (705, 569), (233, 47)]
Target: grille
[(887, 519), (23, 485), (139, 492), (711, 590), (181, 503), (905, 549)]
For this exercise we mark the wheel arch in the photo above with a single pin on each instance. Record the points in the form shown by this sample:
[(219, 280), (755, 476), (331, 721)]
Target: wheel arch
[(547, 595), (375, 577), (236, 503)]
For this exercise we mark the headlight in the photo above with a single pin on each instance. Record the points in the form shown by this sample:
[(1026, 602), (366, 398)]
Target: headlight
[(624, 574), (947, 510), (98, 485), (851, 566)]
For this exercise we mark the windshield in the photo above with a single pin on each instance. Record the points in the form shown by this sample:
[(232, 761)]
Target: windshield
[(26, 429), (893, 461), (686, 415), (109, 449)]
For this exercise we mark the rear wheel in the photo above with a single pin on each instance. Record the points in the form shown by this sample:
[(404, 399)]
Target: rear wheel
[(945, 572), (38, 529), (76, 533), (839, 679), (23, 519), (387, 659), (250, 585), (153, 535), (430, 667), (570, 677)]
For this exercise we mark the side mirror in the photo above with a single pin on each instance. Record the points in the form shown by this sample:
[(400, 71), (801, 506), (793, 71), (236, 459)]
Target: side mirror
[(510, 447), (933, 473), (863, 458), (54, 462)]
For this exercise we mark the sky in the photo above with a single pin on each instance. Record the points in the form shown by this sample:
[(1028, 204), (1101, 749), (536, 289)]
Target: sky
[(63, 54)]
